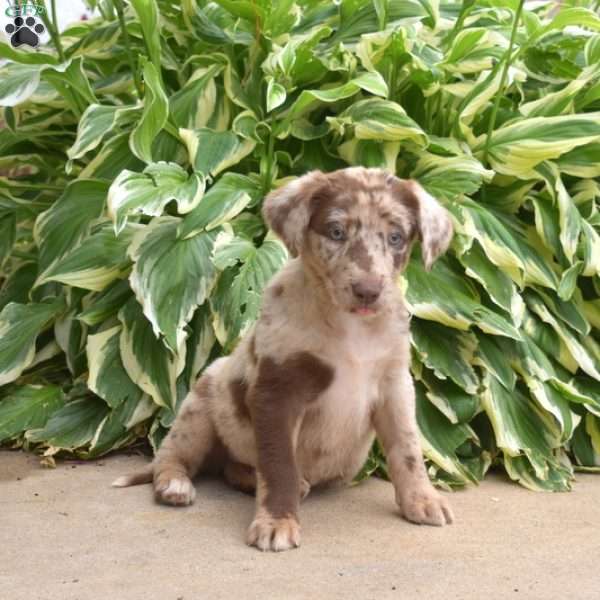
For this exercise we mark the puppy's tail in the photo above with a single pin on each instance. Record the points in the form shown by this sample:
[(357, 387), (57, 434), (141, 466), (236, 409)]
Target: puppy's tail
[(145, 475)]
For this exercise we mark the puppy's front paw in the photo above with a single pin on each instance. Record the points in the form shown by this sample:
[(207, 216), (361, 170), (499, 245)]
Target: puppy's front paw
[(425, 506), (177, 491), (268, 533)]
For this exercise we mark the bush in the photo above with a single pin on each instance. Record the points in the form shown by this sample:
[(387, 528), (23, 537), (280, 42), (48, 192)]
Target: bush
[(137, 149)]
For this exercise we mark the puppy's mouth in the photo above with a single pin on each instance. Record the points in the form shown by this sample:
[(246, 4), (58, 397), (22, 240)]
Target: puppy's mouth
[(364, 311)]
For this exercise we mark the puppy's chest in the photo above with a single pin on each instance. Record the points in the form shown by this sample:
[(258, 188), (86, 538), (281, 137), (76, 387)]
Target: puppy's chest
[(337, 429), (359, 363)]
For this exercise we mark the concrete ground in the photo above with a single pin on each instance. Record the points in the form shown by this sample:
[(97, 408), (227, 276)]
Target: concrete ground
[(65, 534)]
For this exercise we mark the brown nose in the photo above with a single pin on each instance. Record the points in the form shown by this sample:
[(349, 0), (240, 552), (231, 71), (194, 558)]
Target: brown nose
[(367, 290)]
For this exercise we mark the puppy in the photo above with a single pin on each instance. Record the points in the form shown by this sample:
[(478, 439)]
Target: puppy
[(326, 366)]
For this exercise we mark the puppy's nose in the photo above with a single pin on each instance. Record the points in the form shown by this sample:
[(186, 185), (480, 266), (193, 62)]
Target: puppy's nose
[(368, 290)]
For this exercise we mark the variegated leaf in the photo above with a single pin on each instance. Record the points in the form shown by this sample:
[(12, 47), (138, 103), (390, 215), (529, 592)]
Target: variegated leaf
[(154, 115), (225, 199), (20, 325), (171, 276), (149, 364), (94, 263), (150, 191), (28, 407)]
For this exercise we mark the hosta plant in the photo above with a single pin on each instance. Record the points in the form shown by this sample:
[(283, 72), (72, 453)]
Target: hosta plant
[(137, 147)]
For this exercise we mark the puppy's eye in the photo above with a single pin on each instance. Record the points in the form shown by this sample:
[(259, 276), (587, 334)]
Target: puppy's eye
[(336, 232), (395, 238)]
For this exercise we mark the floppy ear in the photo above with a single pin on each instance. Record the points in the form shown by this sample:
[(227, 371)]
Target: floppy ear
[(433, 222), (288, 209)]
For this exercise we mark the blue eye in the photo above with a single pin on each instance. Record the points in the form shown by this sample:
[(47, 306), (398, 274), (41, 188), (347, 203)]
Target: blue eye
[(336, 232), (395, 238)]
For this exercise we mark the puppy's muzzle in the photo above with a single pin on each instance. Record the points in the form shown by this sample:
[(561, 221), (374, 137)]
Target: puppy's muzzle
[(368, 290)]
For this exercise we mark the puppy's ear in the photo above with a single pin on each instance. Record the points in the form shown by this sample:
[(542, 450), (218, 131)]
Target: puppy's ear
[(288, 209), (434, 225), (433, 222)]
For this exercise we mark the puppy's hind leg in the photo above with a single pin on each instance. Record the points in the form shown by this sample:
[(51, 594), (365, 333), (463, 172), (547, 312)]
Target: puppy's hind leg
[(186, 447), (183, 451)]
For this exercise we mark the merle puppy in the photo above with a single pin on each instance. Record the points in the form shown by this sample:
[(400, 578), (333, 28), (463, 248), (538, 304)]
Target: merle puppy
[(326, 366)]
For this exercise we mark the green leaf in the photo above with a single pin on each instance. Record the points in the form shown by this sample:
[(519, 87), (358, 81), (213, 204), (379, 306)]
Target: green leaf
[(18, 284), (450, 399), (154, 115), (556, 478), (17, 83), (115, 430), (26, 58), (578, 16), (442, 296), (96, 122), (507, 244), (107, 377), (212, 151), (8, 233), (583, 161), (369, 153), (555, 403), (20, 325), (149, 18), (28, 407), (582, 447), (71, 82), (114, 156), (225, 199), (448, 353), (568, 281), (440, 439), (106, 303), (377, 119), (171, 276), (498, 285), (516, 149), (96, 41), (68, 221), (569, 218), (522, 430), (586, 361), (468, 175), (310, 99), (276, 94), (149, 192), (93, 264), (236, 301), (73, 425), (193, 105), (492, 356), (147, 361)]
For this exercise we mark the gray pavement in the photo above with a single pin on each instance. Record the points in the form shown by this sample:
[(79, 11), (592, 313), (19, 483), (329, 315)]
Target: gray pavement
[(65, 534)]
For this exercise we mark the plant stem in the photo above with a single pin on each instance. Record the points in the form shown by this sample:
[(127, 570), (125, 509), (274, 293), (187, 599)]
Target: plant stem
[(136, 78), (269, 170), (36, 186), (464, 13), (52, 29), (503, 77)]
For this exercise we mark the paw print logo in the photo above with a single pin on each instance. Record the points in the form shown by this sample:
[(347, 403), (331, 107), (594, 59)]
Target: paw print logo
[(24, 31)]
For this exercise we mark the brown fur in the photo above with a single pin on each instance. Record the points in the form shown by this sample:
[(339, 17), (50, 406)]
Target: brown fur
[(279, 398), (238, 390), (325, 367)]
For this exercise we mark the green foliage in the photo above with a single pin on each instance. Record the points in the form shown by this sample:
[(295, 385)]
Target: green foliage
[(135, 155)]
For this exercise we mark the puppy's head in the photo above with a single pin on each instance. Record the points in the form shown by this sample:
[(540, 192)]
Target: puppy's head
[(354, 229)]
